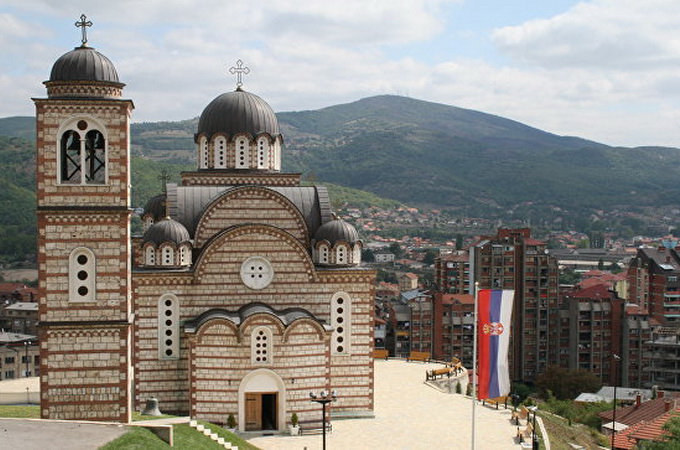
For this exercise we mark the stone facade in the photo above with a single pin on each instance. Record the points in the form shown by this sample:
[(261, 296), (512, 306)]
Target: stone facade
[(233, 314)]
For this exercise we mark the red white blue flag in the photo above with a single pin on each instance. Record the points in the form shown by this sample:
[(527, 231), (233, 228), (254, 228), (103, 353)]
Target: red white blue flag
[(494, 309)]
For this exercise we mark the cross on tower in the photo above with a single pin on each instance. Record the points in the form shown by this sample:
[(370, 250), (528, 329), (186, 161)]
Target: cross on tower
[(163, 178), (84, 23), (239, 70)]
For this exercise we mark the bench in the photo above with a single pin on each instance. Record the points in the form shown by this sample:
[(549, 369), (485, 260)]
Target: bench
[(496, 401), (314, 426), (380, 353), (522, 413), (434, 373), (526, 433), (419, 356), (455, 362)]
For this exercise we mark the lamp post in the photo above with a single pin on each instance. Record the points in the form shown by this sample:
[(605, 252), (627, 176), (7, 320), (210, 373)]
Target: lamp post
[(324, 398), (26, 345), (616, 359), (534, 435)]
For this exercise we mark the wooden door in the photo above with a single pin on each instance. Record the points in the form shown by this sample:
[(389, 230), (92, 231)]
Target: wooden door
[(253, 412)]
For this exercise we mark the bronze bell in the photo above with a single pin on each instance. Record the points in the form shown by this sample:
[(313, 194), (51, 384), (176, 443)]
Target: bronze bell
[(151, 408)]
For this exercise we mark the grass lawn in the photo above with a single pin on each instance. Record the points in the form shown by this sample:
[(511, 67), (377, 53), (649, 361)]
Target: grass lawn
[(20, 412), (185, 437)]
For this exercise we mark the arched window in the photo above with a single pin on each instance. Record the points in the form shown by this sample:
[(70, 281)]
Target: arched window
[(340, 321), (150, 255), (81, 275), (147, 222), (220, 152), (168, 327), (262, 153), (185, 255), (356, 257), (167, 256), (242, 153), (203, 152), (323, 254), (341, 254), (82, 154), (261, 349)]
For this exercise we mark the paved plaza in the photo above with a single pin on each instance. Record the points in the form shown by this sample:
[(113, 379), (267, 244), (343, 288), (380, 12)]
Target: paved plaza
[(409, 415)]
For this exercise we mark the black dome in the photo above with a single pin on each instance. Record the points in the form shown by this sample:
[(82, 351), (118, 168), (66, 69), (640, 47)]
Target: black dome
[(337, 230), (84, 64), (166, 230), (238, 112)]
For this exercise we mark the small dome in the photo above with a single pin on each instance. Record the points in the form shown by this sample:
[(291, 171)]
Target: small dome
[(166, 230), (84, 64), (337, 230), (238, 112), (156, 207)]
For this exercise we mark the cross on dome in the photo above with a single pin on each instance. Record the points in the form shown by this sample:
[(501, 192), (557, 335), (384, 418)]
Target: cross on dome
[(239, 70), (84, 23)]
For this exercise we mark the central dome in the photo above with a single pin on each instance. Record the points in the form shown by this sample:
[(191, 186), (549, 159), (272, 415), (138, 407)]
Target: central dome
[(238, 112)]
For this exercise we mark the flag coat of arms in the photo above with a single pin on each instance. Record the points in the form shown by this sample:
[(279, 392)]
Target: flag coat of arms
[(494, 309)]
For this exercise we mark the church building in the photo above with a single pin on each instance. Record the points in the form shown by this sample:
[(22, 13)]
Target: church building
[(243, 295)]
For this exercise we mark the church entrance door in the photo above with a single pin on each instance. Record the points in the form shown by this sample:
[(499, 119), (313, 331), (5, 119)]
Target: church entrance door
[(261, 410)]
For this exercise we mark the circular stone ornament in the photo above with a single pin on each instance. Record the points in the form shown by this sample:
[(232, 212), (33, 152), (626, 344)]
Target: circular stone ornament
[(257, 272)]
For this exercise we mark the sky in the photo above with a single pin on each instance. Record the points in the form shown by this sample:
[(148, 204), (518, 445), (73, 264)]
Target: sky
[(605, 70)]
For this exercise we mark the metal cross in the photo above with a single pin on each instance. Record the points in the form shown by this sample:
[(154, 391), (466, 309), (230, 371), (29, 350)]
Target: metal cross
[(239, 70), (84, 23), (164, 178)]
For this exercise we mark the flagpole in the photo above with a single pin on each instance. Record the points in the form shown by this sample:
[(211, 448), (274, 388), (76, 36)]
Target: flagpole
[(474, 366)]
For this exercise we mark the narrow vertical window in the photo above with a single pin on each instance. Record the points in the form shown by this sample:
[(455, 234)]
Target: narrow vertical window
[(356, 257), (81, 275), (242, 149), (203, 152), (95, 158), (184, 255), (220, 153), (262, 153), (261, 346), (340, 320), (70, 157), (168, 256), (150, 256), (323, 254), (341, 254), (168, 327)]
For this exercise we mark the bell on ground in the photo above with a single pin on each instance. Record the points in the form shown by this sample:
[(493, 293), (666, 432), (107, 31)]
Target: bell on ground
[(151, 408)]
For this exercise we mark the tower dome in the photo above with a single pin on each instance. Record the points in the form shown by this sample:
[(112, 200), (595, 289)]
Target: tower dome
[(166, 230), (238, 112), (336, 230), (84, 72), (84, 64)]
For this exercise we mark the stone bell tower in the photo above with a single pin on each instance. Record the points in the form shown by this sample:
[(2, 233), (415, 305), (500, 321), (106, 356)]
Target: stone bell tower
[(83, 193)]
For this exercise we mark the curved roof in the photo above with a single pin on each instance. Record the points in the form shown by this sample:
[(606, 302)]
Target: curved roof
[(84, 64), (190, 203), (166, 230), (238, 112), (286, 316), (337, 230)]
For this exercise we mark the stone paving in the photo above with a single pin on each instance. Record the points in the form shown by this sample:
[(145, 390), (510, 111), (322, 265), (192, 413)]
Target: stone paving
[(409, 415)]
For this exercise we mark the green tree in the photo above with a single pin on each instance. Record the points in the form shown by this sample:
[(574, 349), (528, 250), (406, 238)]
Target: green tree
[(396, 249), (367, 255), (430, 255), (566, 384), (569, 276)]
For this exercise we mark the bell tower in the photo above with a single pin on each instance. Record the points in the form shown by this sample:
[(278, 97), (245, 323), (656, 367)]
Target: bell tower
[(84, 256)]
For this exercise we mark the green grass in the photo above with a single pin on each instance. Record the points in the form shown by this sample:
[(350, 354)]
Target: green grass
[(137, 416), (20, 412), (184, 437)]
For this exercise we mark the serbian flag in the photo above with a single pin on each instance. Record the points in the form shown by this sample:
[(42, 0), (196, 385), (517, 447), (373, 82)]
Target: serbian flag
[(494, 309)]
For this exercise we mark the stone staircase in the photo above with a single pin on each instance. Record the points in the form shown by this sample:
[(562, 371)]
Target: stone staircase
[(206, 431)]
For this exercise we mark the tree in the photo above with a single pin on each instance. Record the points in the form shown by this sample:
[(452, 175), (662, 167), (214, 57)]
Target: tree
[(395, 248), (566, 384), (367, 255), (569, 276), (430, 256), (459, 241)]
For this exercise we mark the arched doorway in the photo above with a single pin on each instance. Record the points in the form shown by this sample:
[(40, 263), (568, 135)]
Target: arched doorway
[(261, 401)]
